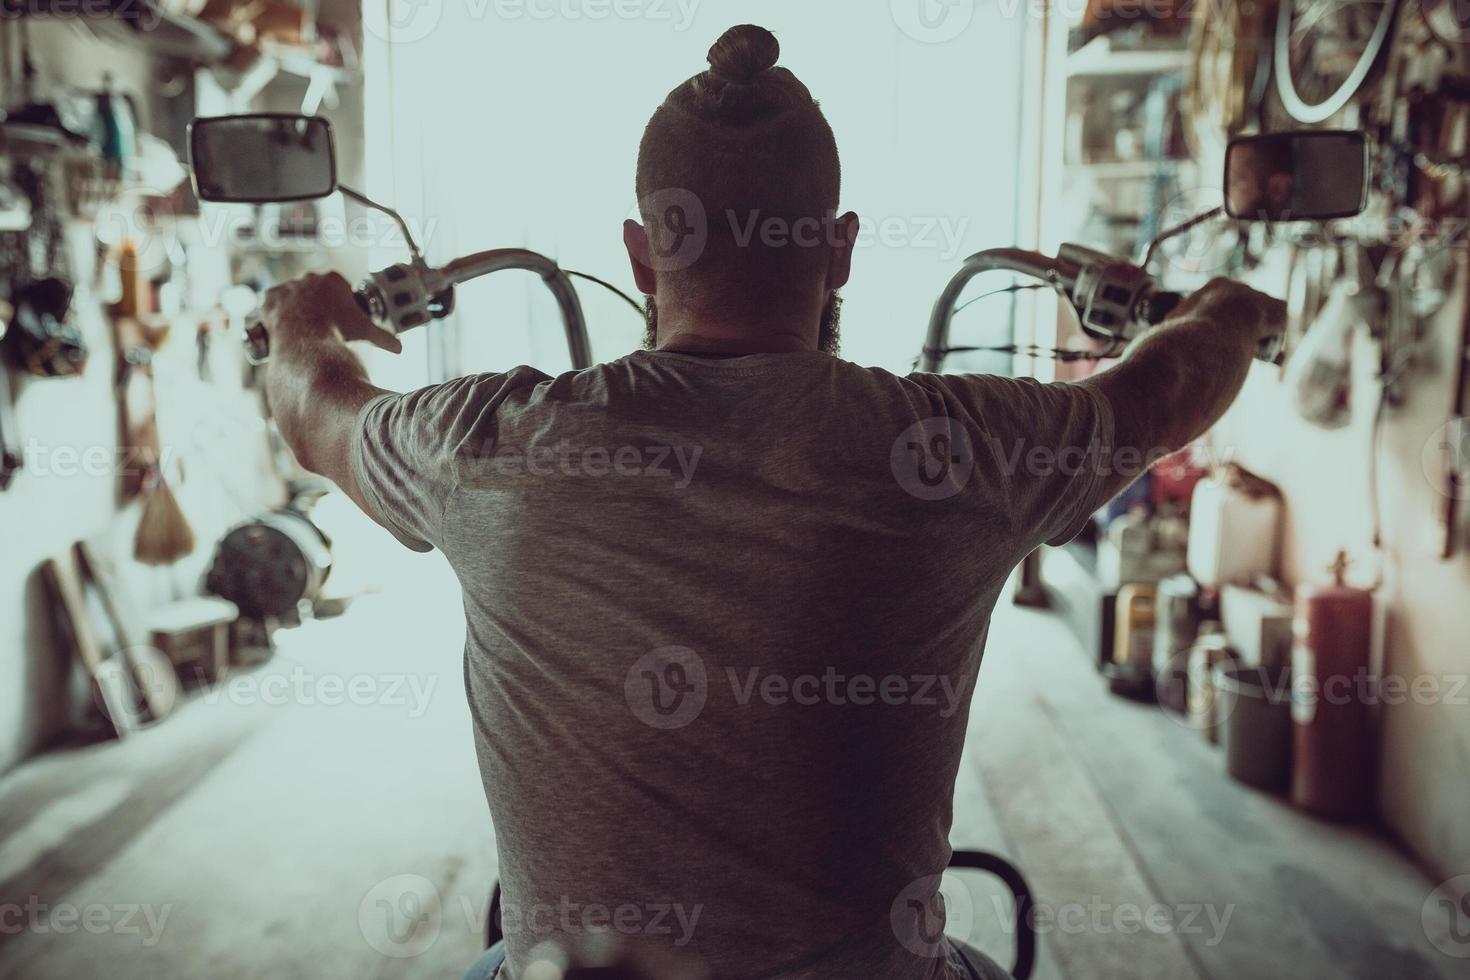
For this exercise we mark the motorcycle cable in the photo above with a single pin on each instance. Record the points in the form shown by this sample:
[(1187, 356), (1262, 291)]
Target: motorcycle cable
[(608, 286), (1060, 354)]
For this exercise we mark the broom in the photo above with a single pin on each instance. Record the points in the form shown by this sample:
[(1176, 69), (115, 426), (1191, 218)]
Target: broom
[(164, 534)]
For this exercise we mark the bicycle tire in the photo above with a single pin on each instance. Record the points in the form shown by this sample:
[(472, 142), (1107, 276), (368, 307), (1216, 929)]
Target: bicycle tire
[(1286, 82)]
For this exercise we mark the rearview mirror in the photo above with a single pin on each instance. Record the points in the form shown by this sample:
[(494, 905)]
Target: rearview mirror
[(262, 158), (1296, 176)]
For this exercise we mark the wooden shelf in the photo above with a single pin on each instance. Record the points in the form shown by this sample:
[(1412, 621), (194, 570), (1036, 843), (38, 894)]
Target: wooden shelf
[(1124, 169), (145, 23), (29, 140), (1098, 59), (141, 22)]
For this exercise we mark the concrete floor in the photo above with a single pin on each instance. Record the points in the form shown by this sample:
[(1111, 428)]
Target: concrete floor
[(322, 816)]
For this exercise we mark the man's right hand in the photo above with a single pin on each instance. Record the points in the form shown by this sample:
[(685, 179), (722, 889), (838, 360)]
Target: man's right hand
[(1234, 305), (1176, 380)]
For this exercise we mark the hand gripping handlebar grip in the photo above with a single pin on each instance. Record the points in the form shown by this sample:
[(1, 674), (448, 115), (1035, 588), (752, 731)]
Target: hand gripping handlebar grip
[(258, 341)]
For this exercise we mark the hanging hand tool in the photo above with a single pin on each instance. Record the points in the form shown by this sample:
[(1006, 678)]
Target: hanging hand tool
[(10, 459)]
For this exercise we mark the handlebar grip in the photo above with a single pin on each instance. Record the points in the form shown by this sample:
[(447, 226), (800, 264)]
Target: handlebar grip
[(1159, 305), (257, 344), (258, 341)]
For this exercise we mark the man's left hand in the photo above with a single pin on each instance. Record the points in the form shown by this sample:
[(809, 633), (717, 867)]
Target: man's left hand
[(320, 307)]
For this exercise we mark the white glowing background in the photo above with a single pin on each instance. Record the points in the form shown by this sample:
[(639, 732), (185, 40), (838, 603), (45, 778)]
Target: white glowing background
[(497, 123)]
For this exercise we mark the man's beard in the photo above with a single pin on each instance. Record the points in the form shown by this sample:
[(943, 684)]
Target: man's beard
[(829, 339)]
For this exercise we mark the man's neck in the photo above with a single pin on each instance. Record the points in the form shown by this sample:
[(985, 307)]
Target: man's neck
[(693, 343), (701, 335)]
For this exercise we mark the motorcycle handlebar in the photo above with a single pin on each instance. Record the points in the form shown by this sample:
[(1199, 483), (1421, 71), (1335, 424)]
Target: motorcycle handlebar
[(1028, 263), (402, 297), (554, 276), (1063, 273)]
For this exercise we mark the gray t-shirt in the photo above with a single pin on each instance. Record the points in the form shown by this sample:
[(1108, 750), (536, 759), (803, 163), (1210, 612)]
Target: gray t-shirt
[(724, 622)]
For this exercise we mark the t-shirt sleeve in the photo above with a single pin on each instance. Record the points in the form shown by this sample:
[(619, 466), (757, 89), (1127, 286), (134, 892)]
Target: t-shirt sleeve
[(1050, 444), (408, 450)]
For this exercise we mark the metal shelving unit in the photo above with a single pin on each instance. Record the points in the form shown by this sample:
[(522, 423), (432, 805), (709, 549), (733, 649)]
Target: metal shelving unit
[(146, 24)]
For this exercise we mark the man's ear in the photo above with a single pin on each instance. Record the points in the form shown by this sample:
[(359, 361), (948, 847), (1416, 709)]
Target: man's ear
[(635, 237), (839, 267)]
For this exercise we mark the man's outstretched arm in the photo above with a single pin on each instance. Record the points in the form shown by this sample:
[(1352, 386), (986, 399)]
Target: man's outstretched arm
[(1175, 381), (315, 385)]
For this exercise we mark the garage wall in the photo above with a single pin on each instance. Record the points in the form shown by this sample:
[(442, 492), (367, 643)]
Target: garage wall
[(1425, 776), (214, 428), (44, 511)]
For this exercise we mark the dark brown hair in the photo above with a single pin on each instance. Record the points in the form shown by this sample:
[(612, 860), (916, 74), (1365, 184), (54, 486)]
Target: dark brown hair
[(739, 144)]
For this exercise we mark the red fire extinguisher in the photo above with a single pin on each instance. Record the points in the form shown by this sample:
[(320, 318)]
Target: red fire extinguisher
[(1332, 696)]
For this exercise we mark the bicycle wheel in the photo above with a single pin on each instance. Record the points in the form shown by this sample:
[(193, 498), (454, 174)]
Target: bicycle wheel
[(1325, 50), (1449, 19), (1231, 47)]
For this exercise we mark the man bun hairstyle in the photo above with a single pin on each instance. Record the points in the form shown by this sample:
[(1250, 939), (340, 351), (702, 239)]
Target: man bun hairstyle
[(743, 144), (744, 52)]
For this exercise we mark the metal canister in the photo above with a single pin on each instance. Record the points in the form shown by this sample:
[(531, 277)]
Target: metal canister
[(1176, 621), (1210, 650), (1332, 744), (1131, 672)]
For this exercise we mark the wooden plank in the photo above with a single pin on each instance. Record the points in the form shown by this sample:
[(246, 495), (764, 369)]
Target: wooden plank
[(111, 683), (151, 673)]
